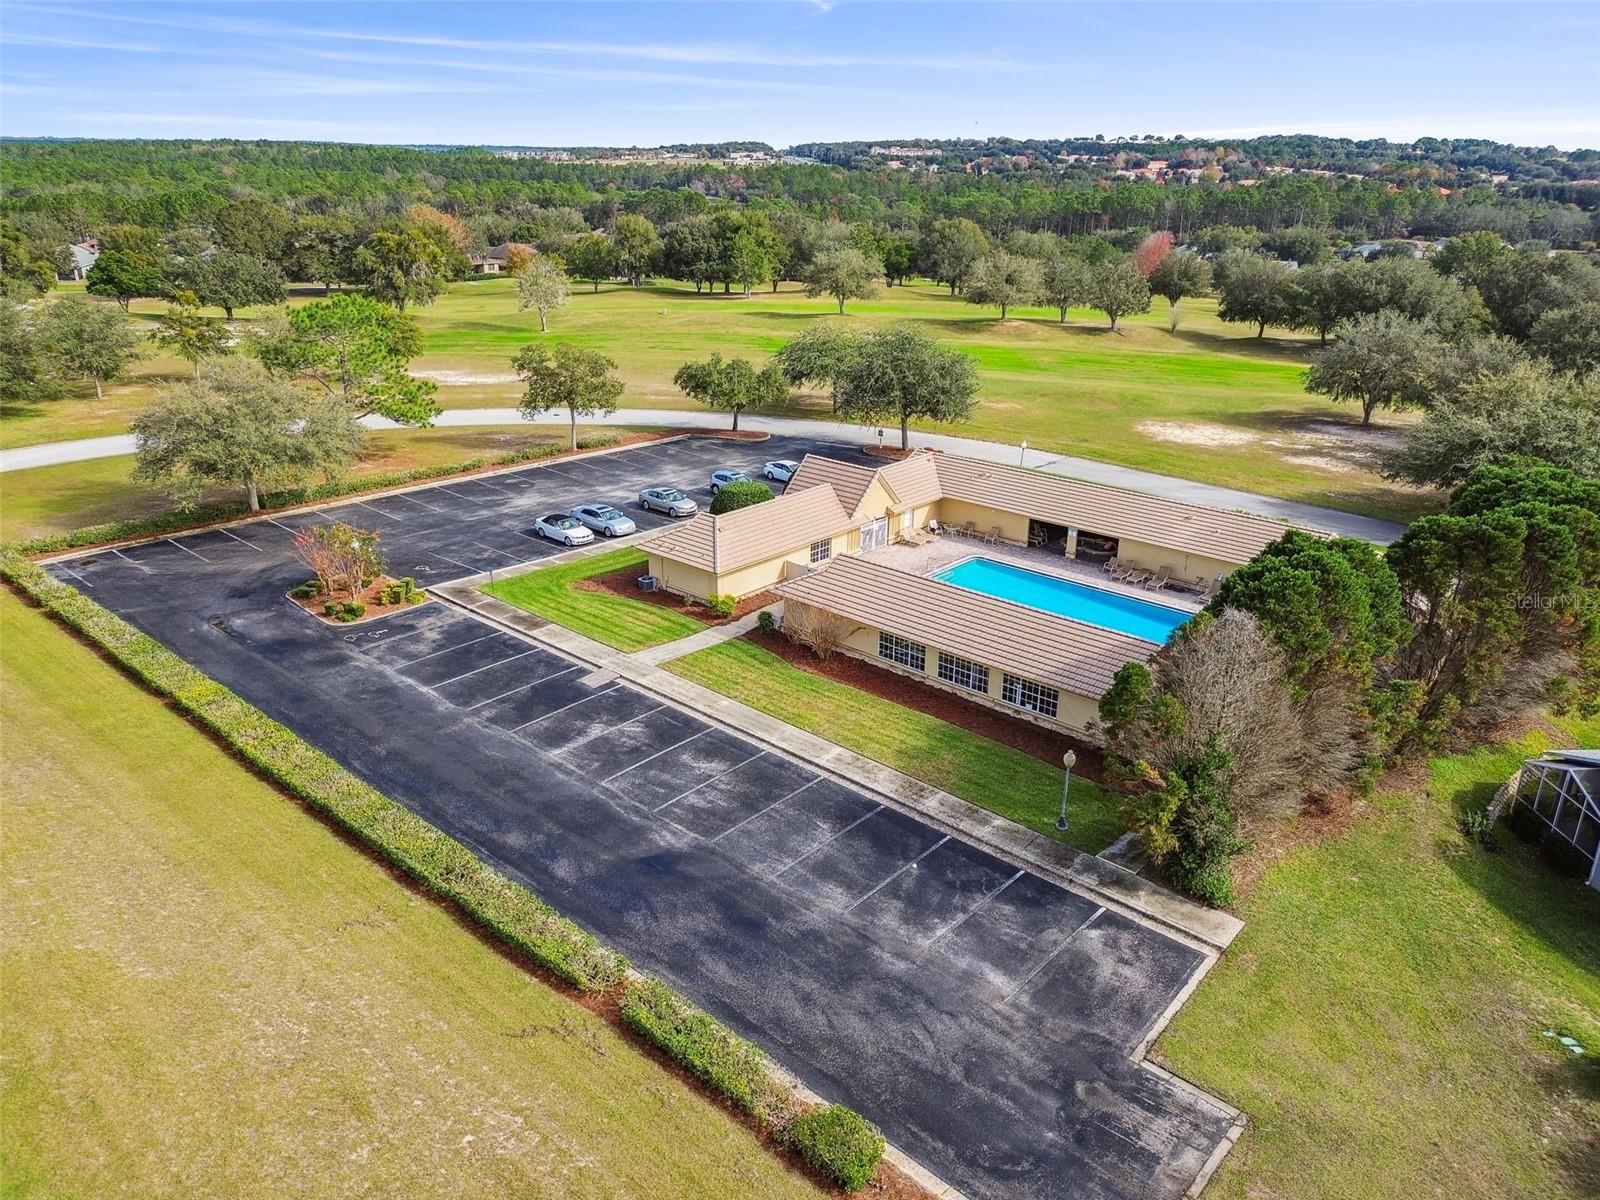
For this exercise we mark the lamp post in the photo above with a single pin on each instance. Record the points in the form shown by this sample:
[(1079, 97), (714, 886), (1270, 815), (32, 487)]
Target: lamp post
[(1022, 455), (1068, 760)]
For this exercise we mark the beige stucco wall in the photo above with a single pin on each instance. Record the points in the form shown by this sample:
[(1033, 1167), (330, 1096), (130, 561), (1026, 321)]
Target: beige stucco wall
[(680, 578), (1013, 528), (1076, 712), (1183, 566)]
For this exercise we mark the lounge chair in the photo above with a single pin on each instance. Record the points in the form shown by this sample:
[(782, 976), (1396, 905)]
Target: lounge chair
[(1127, 571), (1136, 576), (1159, 580), (1111, 567), (992, 536)]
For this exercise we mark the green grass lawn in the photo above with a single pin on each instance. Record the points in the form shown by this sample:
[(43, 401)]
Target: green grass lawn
[(208, 993), (1015, 785), (45, 500), (618, 622), (1209, 402), (1380, 1018)]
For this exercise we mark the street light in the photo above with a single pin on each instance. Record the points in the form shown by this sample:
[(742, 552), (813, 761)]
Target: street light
[(1022, 455), (1068, 760)]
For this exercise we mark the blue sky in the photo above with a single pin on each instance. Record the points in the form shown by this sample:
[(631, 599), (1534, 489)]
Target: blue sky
[(785, 71)]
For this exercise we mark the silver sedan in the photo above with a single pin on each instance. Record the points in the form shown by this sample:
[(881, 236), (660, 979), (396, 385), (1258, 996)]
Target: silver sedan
[(605, 520), (669, 500)]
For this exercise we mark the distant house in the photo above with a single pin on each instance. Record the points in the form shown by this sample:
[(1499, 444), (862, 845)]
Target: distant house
[(83, 255), (493, 260)]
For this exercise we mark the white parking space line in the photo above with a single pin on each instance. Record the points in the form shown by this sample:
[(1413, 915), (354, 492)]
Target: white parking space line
[(411, 499), (658, 754), (133, 561), (447, 649), (373, 508), (520, 687), (1050, 958), (496, 663), (69, 571), (829, 842), (556, 711), (896, 873), (241, 541), (956, 924), (502, 553), (399, 637), (714, 778), (598, 732), (455, 561), (457, 495), (764, 811), (185, 549)]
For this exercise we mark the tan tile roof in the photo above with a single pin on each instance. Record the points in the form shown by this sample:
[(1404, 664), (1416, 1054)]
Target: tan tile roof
[(914, 481), (754, 534), (1041, 646), (850, 480), (1116, 512)]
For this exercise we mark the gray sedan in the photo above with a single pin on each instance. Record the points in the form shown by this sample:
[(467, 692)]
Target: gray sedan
[(669, 500), (605, 520)]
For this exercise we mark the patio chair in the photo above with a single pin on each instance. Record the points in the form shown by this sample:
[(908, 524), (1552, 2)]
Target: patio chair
[(992, 536), (1111, 567), (1159, 580), (1137, 576), (1127, 571), (970, 529)]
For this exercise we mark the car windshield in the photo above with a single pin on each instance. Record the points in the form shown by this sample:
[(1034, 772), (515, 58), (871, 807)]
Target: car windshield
[(668, 494), (606, 513), (560, 522)]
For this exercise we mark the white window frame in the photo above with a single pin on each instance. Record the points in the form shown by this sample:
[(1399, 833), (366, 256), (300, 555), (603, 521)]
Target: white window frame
[(1017, 692), (964, 673), (903, 652), (821, 550)]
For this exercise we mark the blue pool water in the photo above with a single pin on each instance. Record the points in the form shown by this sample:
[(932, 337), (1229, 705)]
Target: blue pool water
[(1092, 605)]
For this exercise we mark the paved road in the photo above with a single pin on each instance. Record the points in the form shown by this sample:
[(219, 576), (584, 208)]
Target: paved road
[(1169, 486), (985, 1017)]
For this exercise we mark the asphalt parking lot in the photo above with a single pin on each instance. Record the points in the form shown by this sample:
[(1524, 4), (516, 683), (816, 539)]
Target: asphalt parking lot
[(985, 1017)]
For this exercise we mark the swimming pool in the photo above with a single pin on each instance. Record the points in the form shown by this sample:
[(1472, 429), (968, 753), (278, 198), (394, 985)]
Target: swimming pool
[(1092, 605)]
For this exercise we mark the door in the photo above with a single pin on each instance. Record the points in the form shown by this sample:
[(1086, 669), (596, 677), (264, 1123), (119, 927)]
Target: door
[(875, 534)]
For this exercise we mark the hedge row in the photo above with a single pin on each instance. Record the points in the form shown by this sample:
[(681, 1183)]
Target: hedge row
[(434, 859), (837, 1143), (205, 514)]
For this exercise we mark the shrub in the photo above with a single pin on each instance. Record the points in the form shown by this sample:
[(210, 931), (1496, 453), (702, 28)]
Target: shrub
[(1476, 828), (722, 605), (344, 610), (694, 1039), (765, 621), (740, 495), (1525, 823), (838, 1143), (400, 591), (440, 863), (309, 590)]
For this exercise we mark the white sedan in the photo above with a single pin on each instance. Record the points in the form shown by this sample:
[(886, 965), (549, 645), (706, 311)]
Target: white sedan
[(781, 470), (605, 520), (563, 528)]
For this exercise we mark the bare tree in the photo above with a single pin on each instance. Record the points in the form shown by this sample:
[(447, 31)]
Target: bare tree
[(820, 632)]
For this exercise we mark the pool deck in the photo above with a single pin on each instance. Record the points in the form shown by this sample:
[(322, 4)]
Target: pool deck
[(945, 551)]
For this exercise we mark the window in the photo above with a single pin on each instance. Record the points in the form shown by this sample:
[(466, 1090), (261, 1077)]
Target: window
[(822, 551), (1035, 697), (898, 650), (963, 673)]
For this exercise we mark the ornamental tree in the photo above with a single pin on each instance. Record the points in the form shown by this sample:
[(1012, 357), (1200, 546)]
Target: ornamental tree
[(570, 377), (343, 559), (542, 285), (356, 348), (244, 427), (732, 385), (901, 373)]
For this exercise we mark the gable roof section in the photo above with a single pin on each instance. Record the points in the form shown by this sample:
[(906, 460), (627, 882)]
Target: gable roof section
[(912, 481), (850, 481), (1041, 646), (753, 534), (1116, 512)]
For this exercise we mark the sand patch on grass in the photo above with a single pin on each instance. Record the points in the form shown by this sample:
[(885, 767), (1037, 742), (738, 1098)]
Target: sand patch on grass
[(1195, 433), (466, 378)]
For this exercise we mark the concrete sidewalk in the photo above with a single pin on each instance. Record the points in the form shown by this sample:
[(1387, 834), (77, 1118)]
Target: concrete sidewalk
[(1172, 488)]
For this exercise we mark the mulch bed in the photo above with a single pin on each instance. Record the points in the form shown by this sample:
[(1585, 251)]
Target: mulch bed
[(313, 604), (625, 583), (1041, 743)]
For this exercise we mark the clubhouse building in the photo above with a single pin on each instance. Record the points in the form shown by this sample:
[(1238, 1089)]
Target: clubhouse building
[(1014, 587)]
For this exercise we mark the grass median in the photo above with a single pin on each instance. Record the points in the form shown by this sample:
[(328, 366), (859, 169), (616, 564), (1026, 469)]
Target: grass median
[(1015, 785), (618, 622)]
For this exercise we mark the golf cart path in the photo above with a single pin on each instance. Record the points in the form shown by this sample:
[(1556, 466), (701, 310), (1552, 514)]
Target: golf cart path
[(1168, 486)]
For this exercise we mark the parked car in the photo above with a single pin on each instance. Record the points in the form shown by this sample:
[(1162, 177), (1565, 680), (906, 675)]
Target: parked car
[(726, 475), (669, 500), (563, 528), (605, 520), (781, 469)]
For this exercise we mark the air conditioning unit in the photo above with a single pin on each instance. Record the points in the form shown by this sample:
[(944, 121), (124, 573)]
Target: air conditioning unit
[(649, 583)]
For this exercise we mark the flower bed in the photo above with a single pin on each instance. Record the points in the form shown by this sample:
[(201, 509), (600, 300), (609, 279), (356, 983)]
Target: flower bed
[(381, 598)]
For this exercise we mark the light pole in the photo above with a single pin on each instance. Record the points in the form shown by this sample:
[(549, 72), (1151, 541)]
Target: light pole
[(1022, 455), (1068, 760)]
